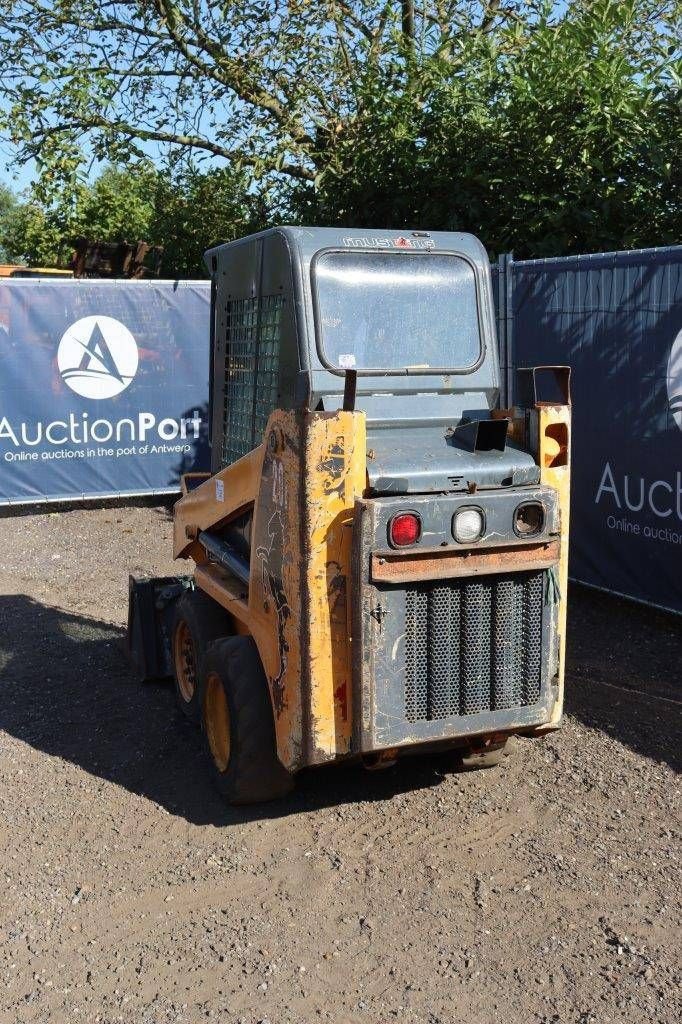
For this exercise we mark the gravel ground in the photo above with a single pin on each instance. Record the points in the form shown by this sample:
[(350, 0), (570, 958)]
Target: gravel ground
[(543, 891)]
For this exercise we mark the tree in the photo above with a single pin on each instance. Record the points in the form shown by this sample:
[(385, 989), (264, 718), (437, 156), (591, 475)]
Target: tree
[(359, 107), (185, 215), (114, 208), (8, 203), (196, 211), (117, 207), (558, 137), (29, 235)]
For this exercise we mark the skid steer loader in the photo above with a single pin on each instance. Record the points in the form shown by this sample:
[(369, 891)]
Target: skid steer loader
[(380, 552)]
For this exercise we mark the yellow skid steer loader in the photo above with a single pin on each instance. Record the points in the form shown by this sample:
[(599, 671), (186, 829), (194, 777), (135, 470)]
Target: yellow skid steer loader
[(380, 551)]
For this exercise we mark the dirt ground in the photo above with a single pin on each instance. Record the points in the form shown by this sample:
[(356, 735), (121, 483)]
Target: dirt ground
[(543, 891)]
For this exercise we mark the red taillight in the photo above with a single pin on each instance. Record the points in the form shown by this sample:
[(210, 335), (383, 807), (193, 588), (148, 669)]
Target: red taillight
[(404, 529)]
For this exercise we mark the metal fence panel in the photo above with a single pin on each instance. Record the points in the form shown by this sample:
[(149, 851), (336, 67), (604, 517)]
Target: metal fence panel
[(103, 387), (616, 319)]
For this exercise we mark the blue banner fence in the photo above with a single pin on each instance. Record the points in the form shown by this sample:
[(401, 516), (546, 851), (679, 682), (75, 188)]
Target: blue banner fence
[(104, 392), (103, 387), (616, 320)]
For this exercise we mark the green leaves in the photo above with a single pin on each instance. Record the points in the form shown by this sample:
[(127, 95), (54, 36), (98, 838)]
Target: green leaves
[(8, 205), (556, 137), (28, 235), (514, 120), (185, 214)]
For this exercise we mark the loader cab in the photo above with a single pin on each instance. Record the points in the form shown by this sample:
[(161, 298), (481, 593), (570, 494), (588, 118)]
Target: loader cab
[(411, 314)]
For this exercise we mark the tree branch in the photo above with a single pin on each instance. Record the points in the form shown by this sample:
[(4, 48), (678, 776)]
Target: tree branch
[(172, 138)]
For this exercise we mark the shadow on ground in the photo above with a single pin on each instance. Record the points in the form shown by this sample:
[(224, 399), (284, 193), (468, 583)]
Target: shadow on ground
[(66, 688), (623, 672)]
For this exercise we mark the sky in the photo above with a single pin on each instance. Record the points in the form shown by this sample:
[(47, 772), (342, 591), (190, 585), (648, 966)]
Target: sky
[(19, 177), (15, 177)]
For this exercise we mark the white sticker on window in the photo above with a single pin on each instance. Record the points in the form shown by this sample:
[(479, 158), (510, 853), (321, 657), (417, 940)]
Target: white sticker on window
[(219, 490), (347, 360)]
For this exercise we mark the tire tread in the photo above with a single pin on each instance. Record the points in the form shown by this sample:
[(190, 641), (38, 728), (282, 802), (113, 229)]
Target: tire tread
[(207, 622), (254, 773)]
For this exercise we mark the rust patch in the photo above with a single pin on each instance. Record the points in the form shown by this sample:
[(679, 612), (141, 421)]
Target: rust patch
[(400, 567), (341, 700)]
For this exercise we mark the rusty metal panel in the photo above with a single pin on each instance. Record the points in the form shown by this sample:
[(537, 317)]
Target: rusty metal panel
[(401, 567), (401, 630), (313, 469), (303, 482)]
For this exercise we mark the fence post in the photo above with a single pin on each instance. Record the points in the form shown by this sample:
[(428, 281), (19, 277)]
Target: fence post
[(505, 327), (509, 314)]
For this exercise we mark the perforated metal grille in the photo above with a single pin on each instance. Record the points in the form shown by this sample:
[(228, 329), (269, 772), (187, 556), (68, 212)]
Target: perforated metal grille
[(473, 646), (251, 372)]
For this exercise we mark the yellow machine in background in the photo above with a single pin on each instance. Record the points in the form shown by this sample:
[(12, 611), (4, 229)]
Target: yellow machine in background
[(19, 270), (380, 551)]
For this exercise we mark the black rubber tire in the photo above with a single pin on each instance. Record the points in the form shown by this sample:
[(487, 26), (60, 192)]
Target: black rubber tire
[(252, 772), (473, 759), (203, 621)]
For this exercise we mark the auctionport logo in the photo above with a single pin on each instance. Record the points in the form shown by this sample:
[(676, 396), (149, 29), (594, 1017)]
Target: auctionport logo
[(674, 380), (97, 357)]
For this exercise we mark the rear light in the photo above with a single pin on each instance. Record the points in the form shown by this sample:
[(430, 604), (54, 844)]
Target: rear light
[(529, 519), (404, 529), (468, 525)]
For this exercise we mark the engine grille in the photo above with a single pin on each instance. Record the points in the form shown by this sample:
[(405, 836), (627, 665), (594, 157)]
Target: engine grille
[(473, 645), (251, 372)]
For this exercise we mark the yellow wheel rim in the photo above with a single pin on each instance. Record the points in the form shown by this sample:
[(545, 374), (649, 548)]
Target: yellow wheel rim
[(185, 661), (217, 722)]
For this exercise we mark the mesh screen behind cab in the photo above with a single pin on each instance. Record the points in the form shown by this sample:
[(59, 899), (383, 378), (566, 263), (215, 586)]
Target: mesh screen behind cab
[(251, 372), (473, 645)]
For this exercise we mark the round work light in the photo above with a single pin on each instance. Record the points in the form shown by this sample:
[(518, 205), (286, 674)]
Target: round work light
[(468, 525)]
